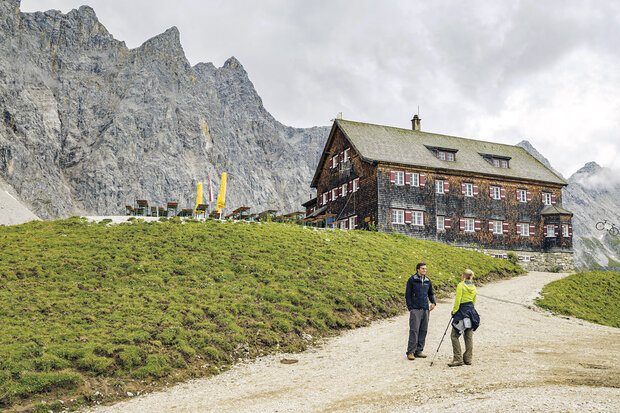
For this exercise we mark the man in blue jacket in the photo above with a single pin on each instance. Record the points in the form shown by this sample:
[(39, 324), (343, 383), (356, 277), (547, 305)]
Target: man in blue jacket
[(418, 294)]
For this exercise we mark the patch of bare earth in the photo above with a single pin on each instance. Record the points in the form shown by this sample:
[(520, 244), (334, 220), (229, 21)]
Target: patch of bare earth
[(525, 360)]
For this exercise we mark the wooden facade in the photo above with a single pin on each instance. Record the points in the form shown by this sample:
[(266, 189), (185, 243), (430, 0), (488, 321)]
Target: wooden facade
[(493, 208)]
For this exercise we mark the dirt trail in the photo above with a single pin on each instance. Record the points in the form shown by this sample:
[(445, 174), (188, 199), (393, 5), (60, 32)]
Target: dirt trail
[(524, 360)]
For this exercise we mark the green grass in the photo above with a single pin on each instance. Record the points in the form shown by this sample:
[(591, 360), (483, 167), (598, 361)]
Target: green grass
[(592, 296), (87, 307)]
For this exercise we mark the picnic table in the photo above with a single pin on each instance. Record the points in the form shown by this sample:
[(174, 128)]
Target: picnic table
[(171, 209), (267, 215), (142, 207), (239, 213), (201, 209)]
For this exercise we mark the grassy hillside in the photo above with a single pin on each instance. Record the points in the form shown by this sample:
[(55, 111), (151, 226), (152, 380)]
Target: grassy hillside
[(88, 308), (593, 296)]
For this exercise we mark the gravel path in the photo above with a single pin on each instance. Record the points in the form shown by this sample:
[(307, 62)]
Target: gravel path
[(524, 360)]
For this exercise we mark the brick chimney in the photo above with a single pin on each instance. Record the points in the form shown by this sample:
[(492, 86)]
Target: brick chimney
[(415, 122)]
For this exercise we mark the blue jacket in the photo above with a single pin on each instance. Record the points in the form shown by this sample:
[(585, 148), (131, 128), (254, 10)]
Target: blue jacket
[(419, 292), (467, 310)]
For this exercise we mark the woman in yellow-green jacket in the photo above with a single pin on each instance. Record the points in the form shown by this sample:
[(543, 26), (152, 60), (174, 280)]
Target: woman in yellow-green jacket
[(465, 319)]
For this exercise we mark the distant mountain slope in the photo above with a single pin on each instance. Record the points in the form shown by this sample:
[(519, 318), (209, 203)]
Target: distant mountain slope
[(88, 125), (592, 194)]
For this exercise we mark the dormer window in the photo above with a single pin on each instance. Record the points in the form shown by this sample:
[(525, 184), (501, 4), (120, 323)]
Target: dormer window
[(500, 162), (446, 155)]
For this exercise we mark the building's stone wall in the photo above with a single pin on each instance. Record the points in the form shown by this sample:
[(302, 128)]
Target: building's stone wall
[(535, 260), (480, 207), (361, 203)]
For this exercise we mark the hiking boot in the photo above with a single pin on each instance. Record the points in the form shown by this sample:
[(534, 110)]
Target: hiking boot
[(421, 355), (455, 363), (410, 356), (467, 362)]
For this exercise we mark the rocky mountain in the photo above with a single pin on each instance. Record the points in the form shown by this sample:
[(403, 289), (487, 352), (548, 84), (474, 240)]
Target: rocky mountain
[(592, 195), (88, 125)]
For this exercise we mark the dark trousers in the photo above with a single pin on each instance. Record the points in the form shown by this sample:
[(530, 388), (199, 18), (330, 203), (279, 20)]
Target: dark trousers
[(456, 345), (418, 325)]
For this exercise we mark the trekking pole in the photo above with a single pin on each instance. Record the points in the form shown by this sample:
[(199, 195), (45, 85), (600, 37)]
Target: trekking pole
[(444, 334)]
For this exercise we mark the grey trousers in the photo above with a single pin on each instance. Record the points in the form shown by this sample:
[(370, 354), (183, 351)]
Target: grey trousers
[(456, 345), (418, 325)]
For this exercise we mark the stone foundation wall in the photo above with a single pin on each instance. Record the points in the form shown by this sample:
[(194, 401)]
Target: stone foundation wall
[(535, 261)]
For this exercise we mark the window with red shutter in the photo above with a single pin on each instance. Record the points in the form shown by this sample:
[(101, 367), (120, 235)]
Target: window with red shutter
[(407, 217)]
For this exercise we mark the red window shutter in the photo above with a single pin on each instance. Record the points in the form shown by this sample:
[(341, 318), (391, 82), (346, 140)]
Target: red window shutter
[(518, 227), (491, 191), (570, 230), (350, 186), (553, 199), (346, 224), (407, 217), (392, 177), (532, 229), (355, 221), (502, 193), (407, 178), (462, 224), (556, 229), (423, 218), (542, 196), (517, 194), (545, 230), (477, 225), (475, 189), (505, 227), (446, 186), (422, 180), (528, 196), (462, 188), (490, 226), (447, 223)]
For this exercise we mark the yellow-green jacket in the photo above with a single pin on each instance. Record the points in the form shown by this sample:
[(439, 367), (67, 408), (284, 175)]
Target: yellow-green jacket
[(465, 293)]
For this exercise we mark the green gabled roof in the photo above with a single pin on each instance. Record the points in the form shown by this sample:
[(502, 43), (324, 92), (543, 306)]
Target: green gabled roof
[(408, 147)]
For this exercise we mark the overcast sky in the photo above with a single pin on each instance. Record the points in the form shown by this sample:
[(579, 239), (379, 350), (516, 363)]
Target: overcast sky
[(545, 71)]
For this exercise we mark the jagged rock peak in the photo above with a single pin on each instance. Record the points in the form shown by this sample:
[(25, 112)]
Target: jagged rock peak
[(169, 38), (233, 63), (589, 169), (532, 151)]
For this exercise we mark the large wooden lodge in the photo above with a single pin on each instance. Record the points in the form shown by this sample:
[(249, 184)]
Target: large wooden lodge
[(465, 192)]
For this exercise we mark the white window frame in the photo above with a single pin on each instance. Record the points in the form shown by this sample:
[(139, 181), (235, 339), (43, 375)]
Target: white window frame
[(522, 195), (498, 227), (496, 162), (415, 179), (546, 198), (441, 223), (469, 189), (356, 185), (342, 225), (439, 186), (352, 222), (417, 218), (346, 157), (398, 216), (524, 229), (399, 178), (343, 189), (497, 192), (469, 225), (334, 193), (565, 231), (550, 230)]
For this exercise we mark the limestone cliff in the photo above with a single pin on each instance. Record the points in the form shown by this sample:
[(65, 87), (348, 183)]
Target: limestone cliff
[(89, 125)]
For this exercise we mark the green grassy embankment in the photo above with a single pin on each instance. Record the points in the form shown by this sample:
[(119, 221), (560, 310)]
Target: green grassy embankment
[(592, 296), (90, 311)]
